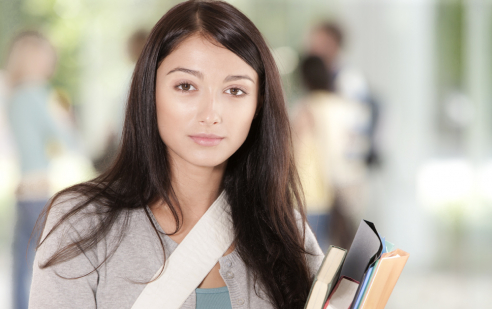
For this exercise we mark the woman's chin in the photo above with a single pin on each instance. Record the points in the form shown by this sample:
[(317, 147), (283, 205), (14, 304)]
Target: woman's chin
[(207, 160)]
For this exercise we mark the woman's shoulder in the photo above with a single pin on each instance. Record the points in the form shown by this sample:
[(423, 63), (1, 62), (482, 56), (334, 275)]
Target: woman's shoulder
[(75, 218), (65, 218), (72, 207), (314, 256), (310, 240), (83, 213)]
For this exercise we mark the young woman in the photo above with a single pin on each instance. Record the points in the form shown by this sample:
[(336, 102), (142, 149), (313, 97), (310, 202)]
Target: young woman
[(206, 115)]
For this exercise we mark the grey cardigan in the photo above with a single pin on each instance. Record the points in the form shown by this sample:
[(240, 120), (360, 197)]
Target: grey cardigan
[(119, 281)]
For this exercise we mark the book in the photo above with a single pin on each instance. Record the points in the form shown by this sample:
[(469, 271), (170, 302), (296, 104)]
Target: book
[(362, 292), (326, 277), (385, 276), (366, 248), (363, 279), (342, 294), (369, 275)]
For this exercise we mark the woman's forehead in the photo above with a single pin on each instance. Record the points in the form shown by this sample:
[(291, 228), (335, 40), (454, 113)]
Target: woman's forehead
[(202, 54)]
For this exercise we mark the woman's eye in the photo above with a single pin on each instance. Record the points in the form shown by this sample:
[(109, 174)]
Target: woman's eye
[(186, 87), (235, 91)]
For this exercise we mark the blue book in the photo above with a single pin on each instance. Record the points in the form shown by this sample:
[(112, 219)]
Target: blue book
[(368, 276), (367, 279)]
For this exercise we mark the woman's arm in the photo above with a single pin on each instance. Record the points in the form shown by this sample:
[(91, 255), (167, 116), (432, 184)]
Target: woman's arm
[(63, 285), (311, 245)]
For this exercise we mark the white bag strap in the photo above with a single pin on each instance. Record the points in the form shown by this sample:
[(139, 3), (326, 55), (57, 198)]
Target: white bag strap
[(192, 260)]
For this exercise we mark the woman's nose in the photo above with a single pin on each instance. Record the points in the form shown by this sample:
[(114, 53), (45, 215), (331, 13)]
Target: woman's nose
[(209, 110)]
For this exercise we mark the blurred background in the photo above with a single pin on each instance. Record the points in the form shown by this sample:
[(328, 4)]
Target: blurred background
[(407, 92)]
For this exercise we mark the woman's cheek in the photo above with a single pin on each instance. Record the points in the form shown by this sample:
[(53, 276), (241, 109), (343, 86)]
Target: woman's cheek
[(242, 126)]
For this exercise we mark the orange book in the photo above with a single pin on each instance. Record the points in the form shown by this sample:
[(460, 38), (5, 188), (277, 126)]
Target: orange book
[(385, 277)]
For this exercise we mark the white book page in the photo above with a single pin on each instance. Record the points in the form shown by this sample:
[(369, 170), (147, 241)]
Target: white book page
[(344, 295), (317, 298)]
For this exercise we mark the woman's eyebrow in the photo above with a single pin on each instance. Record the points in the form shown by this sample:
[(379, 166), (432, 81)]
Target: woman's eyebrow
[(200, 74), (237, 77), (189, 71)]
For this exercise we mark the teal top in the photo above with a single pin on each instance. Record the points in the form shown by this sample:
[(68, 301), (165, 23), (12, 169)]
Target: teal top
[(216, 298), (32, 125)]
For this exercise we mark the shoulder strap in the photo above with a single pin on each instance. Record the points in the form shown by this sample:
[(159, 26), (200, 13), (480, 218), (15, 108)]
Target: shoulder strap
[(192, 260)]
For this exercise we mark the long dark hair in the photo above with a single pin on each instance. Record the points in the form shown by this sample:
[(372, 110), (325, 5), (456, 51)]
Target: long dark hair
[(260, 180)]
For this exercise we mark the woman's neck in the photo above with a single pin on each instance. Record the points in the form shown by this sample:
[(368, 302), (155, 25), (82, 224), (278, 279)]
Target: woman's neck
[(196, 188)]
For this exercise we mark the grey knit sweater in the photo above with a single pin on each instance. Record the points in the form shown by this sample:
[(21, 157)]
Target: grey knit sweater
[(117, 283)]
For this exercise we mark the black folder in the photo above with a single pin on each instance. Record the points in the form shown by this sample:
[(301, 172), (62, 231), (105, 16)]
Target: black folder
[(366, 248)]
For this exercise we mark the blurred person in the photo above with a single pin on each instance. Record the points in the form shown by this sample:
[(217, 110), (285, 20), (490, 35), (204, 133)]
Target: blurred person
[(326, 41), (329, 148), (5, 140), (206, 126), (135, 45), (3, 88), (30, 64)]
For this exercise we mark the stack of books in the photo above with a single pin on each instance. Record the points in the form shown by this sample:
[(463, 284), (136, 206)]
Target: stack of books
[(363, 278)]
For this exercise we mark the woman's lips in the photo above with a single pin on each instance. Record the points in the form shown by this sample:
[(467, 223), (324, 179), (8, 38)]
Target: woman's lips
[(206, 139)]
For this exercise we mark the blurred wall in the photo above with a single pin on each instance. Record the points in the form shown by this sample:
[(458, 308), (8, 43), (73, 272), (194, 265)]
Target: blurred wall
[(394, 42)]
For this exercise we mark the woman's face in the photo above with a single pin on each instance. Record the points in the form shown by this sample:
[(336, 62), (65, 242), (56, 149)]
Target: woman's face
[(206, 98)]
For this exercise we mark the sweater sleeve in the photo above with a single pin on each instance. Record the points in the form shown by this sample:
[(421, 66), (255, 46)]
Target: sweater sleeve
[(64, 285), (316, 256)]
